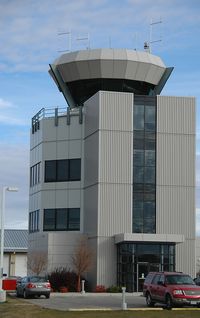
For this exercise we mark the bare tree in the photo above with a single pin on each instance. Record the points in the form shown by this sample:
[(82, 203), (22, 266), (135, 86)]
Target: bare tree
[(37, 262), (82, 260)]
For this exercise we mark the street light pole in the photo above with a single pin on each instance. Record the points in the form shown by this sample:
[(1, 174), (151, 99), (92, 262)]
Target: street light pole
[(2, 214)]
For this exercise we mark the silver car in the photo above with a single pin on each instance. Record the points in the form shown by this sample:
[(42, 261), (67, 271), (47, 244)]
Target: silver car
[(33, 286)]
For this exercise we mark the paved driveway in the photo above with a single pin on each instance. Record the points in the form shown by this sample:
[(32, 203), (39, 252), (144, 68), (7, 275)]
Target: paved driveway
[(75, 301)]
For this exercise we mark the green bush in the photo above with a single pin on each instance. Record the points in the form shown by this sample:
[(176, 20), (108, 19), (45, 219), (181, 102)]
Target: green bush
[(114, 289)]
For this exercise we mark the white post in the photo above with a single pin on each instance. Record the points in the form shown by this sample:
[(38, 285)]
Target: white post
[(2, 233), (2, 214), (83, 286), (124, 304)]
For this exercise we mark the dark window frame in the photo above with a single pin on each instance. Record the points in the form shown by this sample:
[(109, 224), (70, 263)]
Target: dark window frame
[(56, 173), (68, 224), (34, 221)]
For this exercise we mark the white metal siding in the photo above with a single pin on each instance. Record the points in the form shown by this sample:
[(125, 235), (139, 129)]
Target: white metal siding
[(175, 175)]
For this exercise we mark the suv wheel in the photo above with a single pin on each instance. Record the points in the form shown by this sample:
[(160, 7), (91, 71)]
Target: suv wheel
[(168, 301), (149, 301)]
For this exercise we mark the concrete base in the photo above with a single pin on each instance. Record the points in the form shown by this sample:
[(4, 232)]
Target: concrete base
[(2, 296)]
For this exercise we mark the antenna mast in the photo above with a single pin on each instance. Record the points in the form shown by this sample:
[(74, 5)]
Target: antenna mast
[(151, 33), (85, 38), (69, 40)]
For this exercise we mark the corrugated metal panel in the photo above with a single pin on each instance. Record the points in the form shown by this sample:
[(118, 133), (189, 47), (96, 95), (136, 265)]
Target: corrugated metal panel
[(175, 210), (115, 209), (116, 111), (15, 240), (106, 261), (115, 163), (176, 115), (91, 111), (115, 156), (185, 257), (175, 174), (175, 159)]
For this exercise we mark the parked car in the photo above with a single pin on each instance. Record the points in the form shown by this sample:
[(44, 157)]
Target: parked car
[(33, 286), (171, 289), (197, 281)]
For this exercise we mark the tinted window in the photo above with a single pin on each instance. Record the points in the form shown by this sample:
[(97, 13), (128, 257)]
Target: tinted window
[(61, 219), (75, 169), (179, 280), (49, 219), (62, 170), (148, 279), (156, 279), (138, 117), (74, 219), (50, 171)]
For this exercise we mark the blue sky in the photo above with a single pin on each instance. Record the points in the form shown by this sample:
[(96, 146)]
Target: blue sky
[(30, 41)]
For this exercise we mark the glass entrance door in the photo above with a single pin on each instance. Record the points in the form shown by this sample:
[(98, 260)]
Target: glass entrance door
[(142, 271)]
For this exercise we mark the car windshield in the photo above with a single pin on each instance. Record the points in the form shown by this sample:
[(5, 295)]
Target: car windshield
[(179, 280)]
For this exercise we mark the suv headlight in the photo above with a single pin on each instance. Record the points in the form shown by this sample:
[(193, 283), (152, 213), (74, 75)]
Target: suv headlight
[(178, 292)]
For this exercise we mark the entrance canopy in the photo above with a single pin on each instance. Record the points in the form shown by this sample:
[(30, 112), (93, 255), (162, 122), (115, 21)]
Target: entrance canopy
[(140, 237)]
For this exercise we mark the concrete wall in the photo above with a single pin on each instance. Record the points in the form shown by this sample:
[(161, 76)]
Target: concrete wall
[(53, 142), (175, 175)]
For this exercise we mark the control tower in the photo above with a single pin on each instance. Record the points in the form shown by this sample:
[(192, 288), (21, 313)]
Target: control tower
[(116, 167)]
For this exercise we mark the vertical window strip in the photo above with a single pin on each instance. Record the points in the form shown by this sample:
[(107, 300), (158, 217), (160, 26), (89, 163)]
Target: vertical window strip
[(34, 221), (144, 174), (35, 174)]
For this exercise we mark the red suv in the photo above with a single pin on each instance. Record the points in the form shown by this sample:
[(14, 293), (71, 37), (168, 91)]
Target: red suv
[(170, 288)]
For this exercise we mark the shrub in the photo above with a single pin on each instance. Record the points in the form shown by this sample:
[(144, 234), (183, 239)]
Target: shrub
[(63, 277), (100, 289), (114, 289)]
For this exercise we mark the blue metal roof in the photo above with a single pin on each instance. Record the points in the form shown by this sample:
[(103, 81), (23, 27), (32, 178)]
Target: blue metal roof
[(15, 240)]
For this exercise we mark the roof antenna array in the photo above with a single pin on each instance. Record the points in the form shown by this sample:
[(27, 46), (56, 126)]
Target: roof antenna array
[(69, 40), (148, 45), (85, 38)]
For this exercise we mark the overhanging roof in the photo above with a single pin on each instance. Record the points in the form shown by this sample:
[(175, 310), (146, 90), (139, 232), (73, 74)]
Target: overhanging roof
[(143, 237)]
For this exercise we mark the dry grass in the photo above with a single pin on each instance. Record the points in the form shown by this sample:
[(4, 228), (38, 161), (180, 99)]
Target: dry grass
[(17, 308)]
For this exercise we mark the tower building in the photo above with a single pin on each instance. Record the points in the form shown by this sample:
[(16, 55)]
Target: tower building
[(117, 166)]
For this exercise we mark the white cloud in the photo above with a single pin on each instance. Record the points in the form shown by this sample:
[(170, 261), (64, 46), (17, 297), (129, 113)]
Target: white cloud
[(30, 39), (5, 103)]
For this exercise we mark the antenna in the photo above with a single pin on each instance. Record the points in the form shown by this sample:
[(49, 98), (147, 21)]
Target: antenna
[(135, 40), (85, 38), (147, 45), (69, 40), (151, 33)]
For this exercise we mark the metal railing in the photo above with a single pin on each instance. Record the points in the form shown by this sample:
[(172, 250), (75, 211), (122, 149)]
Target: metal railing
[(55, 112)]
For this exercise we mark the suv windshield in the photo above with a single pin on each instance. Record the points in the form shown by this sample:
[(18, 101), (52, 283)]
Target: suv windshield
[(179, 280)]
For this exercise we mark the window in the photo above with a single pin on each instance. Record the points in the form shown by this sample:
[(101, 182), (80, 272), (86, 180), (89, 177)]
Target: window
[(138, 117), (62, 219), (62, 170), (144, 165), (34, 221), (35, 174)]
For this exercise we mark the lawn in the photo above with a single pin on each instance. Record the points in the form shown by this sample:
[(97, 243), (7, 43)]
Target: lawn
[(17, 308)]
